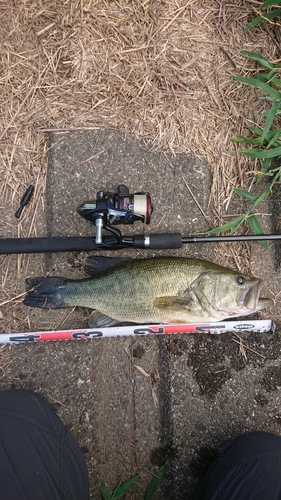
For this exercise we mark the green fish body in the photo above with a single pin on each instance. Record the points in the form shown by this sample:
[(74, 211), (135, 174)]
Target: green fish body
[(154, 290)]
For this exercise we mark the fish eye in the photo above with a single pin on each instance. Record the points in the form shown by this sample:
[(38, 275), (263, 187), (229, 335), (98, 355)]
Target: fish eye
[(240, 280)]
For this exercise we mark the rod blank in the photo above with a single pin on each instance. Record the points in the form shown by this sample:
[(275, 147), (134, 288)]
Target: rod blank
[(88, 243)]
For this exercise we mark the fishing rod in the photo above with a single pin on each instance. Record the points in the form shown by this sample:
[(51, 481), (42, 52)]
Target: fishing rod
[(260, 326), (105, 212)]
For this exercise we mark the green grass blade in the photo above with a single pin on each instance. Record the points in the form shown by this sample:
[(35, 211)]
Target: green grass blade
[(276, 178), (256, 227), (262, 197), (255, 130), (104, 491), (265, 76), (258, 57), (154, 483), (270, 119), (246, 140), (233, 224), (270, 3), (124, 487), (265, 165), (262, 153), (260, 19), (264, 168), (266, 98), (259, 131), (274, 138), (269, 78), (267, 89), (245, 194)]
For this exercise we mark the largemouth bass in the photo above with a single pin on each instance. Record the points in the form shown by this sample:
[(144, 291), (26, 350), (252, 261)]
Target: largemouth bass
[(155, 290)]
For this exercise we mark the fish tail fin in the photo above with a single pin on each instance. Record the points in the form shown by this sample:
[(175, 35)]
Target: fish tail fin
[(45, 292)]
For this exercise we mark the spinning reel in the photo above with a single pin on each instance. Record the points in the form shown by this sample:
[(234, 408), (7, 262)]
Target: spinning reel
[(120, 207)]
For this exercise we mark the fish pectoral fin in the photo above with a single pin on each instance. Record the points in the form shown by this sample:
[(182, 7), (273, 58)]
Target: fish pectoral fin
[(173, 303), (97, 319), (96, 265)]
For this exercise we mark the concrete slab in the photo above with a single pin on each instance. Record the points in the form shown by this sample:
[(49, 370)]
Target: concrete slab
[(81, 164), (135, 403)]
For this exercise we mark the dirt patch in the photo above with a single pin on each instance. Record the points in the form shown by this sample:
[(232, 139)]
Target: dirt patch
[(211, 379), (138, 351), (200, 464), (271, 379), (177, 346), (159, 456), (261, 399)]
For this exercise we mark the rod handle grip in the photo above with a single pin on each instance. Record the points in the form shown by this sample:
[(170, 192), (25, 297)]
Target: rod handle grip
[(158, 241)]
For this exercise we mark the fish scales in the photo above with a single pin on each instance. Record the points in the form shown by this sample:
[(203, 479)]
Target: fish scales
[(132, 287), (160, 289)]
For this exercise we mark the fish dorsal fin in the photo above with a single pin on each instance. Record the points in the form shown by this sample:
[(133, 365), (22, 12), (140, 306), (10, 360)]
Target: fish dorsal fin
[(173, 303), (97, 319), (96, 265)]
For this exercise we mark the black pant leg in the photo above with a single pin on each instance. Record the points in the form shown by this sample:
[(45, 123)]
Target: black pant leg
[(39, 459), (249, 469)]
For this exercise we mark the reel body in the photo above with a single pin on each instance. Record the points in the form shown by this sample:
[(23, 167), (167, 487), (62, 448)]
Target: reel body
[(120, 207)]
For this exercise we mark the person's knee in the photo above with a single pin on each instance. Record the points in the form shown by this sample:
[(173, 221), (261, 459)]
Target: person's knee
[(26, 404), (250, 468), (254, 443)]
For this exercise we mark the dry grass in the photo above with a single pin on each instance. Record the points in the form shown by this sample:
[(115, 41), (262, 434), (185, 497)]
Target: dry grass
[(156, 69)]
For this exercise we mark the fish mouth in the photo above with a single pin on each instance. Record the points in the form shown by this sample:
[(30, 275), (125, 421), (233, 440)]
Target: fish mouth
[(250, 298)]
